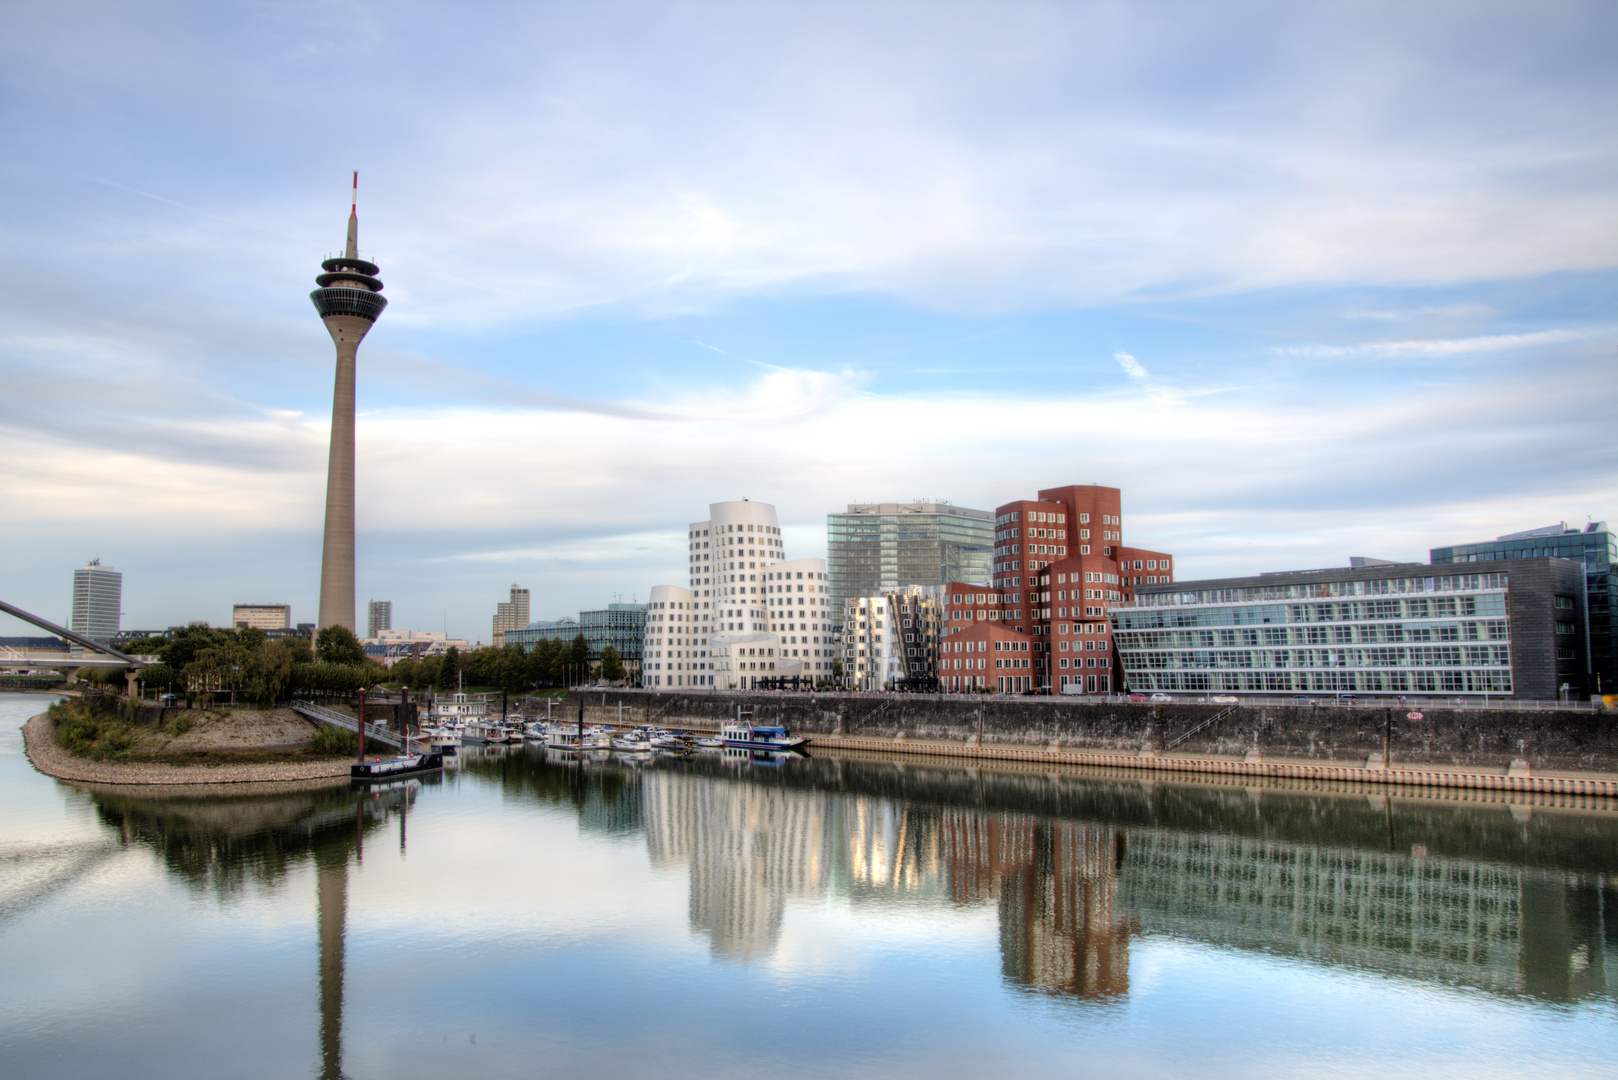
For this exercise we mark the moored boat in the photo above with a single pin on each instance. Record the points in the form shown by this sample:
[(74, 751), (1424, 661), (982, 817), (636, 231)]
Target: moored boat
[(394, 767), (759, 737)]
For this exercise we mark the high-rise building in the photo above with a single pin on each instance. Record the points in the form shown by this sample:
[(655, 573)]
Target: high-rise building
[(380, 617), (510, 614), (876, 547), (750, 615), (98, 596), (890, 641), (349, 300), (1059, 562), (262, 616), (1595, 547)]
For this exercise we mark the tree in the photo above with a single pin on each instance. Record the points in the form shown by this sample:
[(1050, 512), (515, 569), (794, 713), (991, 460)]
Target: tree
[(449, 667), (578, 658), (336, 644), (612, 665), (297, 649)]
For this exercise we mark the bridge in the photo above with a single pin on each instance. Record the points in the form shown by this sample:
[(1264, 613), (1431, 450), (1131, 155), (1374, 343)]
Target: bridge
[(333, 718), (105, 655)]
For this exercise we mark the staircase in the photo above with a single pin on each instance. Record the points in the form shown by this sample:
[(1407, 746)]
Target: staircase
[(332, 717), (1208, 723)]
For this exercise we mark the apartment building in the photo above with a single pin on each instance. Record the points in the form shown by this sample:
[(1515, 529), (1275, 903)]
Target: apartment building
[(1060, 563), (510, 614)]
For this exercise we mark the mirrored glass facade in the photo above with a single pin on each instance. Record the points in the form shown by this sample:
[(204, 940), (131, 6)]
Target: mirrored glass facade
[(876, 548)]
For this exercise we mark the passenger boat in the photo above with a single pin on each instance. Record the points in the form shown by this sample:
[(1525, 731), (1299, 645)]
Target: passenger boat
[(394, 767), (756, 737), (635, 742)]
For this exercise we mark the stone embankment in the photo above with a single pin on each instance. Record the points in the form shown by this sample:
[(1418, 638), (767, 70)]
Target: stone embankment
[(53, 760), (1550, 751)]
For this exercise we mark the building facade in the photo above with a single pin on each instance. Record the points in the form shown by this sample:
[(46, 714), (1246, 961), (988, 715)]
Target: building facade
[(873, 548), (262, 616), (890, 641), (98, 598), (1595, 547), (619, 626), (1060, 563), (750, 617), (1390, 629), (511, 614), (379, 617)]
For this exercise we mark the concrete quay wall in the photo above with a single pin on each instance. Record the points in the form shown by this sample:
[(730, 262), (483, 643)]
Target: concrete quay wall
[(1486, 740)]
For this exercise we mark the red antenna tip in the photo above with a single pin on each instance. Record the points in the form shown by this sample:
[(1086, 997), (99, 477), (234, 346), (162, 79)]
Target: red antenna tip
[(354, 206)]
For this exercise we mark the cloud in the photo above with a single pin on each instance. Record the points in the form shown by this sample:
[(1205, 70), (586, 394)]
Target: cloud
[(1130, 365), (1490, 343)]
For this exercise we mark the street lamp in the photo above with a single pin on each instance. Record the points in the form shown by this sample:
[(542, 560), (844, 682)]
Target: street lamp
[(360, 737)]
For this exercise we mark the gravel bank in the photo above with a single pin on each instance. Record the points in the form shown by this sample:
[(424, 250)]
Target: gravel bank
[(53, 760)]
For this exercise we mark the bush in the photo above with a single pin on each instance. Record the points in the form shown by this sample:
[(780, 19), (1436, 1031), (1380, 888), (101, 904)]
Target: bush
[(97, 736), (339, 743), (181, 724)]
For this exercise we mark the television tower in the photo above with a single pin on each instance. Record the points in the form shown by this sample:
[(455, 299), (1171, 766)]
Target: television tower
[(349, 302)]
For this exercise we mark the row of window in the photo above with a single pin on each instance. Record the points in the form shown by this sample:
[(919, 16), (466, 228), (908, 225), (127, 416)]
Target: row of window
[(1491, 681), (1411, 656), (1485, 605), (1333, 634), (1324, 590)]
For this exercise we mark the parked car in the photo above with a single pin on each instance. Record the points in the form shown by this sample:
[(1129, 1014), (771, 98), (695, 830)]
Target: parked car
[(1224, 699), (1161, 697), (1138, 697), (1345, 699), (1302, 699)]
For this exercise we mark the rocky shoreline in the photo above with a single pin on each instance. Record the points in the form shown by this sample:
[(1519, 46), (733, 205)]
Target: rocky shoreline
[(53, 760)]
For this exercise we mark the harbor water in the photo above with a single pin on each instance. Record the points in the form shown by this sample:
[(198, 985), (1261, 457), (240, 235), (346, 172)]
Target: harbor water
[(527, 914)]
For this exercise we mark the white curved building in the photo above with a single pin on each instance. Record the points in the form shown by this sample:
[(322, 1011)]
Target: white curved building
[(749, 614)]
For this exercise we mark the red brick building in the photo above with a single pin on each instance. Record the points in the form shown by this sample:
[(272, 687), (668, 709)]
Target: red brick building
[(1059, 562)]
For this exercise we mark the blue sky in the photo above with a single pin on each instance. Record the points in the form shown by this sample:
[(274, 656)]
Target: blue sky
[(1304, 281)]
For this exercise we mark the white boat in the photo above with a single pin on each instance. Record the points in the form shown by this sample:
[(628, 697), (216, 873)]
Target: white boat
[(758, 737), (485, 731), (635, 742)]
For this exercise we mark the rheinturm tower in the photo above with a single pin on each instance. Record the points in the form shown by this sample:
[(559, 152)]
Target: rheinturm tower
[(349, 300)]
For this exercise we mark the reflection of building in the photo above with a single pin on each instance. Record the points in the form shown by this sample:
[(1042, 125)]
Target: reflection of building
[(262, 616), (1448, 921), (874, 548), (749, 849), (98, 593), (1061, 931)]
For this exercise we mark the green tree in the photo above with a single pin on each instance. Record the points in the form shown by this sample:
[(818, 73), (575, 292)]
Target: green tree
[(578, 659), (336, 644), (612, 665), (449, 667), (297, 649)]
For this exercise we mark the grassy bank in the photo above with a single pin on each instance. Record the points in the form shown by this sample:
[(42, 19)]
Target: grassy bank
[(105, 736)]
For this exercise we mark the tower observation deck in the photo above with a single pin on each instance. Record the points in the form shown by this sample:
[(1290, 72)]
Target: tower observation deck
[(349, 300)]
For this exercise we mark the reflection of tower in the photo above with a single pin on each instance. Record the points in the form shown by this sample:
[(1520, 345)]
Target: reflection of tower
[(348, 302), (332, 890)]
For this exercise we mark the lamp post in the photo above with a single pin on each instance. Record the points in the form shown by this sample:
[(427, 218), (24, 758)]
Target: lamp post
[(360, 739)]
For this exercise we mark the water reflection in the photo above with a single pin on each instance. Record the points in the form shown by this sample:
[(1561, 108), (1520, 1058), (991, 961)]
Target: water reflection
[(1514, 900), (220, 841), (1509, 899)]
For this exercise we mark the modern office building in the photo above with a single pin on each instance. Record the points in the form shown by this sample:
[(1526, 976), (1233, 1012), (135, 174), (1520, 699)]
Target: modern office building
[(876, 547), (1595, 547), (98, 596), (1060, 562), (261, 616), (890, 641), (750, 617), (379, 617), (620, 626), (510, 614), (1397, 629), (349, 300), (389, 646)]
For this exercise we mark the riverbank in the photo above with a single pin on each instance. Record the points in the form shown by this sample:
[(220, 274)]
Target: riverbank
[(46, 756)]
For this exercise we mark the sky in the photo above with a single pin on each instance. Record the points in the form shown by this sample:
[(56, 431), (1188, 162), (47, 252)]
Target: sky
[(1303, 280)]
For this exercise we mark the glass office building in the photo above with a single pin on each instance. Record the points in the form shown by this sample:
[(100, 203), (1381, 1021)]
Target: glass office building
[(621, 626), (875, 548), (1596, 548), (1389, 629)]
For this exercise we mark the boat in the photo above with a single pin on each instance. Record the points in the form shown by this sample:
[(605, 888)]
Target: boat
[(635, 742), (711, 742), (395, 767), (758, 737), (485, 731)]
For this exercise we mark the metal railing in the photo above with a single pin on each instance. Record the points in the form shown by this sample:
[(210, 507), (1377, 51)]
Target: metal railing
[(323, 715), (1208, 723)]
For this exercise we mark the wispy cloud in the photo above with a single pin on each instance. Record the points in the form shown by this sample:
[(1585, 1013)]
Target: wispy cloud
[(1130, 365), (1489, 343)]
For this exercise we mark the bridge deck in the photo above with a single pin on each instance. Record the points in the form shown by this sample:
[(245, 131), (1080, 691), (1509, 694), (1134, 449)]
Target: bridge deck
[(323, 715)]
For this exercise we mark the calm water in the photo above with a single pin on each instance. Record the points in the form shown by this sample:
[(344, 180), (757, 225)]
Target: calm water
[(525, 917)]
